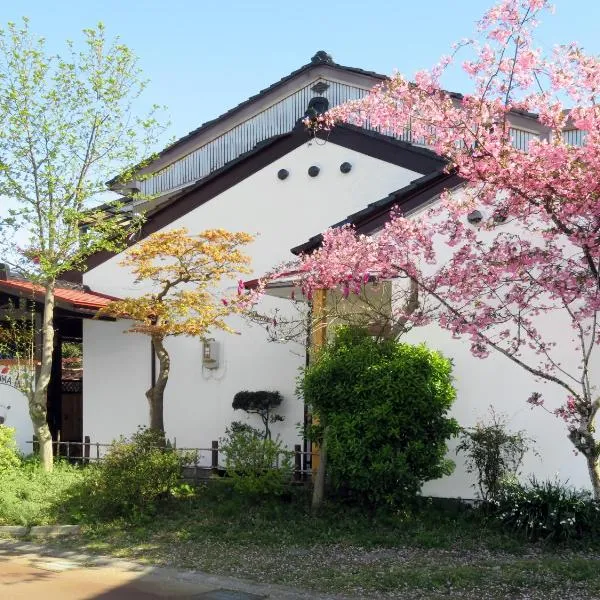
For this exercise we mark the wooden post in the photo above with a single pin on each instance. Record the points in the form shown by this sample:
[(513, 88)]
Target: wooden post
[(318, 341), (86, 449), (297, 462), (215, 456), (319, 479), (319, 321)]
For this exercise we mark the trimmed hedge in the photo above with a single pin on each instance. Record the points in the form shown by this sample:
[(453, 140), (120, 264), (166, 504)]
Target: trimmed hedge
[(384, 408)]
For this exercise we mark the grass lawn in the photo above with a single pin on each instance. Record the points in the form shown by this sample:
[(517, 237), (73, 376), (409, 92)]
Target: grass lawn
[(435, 554)]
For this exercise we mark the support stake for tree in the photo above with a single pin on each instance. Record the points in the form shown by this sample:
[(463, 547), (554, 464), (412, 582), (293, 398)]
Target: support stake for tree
[(318, 340), (215, 456), (297, 462)]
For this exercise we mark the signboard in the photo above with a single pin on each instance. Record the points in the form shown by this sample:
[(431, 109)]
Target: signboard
[(12, 372), (4, 408), (10, 375)]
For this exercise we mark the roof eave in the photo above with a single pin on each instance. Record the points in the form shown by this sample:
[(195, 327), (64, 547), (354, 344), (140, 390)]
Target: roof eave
[(314, 64), (416, 194)]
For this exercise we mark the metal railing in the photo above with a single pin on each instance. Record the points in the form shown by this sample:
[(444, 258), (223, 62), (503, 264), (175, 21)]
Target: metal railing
[(521, 138), (574, 137)]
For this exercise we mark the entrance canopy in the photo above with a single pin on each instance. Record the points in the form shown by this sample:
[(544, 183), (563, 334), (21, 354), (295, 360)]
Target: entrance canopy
[(80, 301), (24, 300), (286, 285)]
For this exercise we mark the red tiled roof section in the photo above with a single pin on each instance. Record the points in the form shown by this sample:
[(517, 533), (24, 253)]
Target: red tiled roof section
[(78, 298), (84, 299)]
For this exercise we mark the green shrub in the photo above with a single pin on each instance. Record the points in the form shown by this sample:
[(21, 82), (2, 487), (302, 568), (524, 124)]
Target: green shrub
[(261, 403), (256, 466), (134, 477), (9, 454), (30, 496), (384, 407), (494, 453), (548, 510), (238, 427)]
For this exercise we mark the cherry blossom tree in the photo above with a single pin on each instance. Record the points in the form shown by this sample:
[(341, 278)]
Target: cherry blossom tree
[(535, 258)]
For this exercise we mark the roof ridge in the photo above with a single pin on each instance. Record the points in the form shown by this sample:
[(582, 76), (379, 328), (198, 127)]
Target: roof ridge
[(320, 58)]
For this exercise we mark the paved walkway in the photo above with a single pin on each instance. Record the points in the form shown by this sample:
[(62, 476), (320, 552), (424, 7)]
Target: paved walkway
[(33, 571)]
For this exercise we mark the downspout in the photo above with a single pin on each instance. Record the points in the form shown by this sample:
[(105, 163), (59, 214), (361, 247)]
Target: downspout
[(306, 445)]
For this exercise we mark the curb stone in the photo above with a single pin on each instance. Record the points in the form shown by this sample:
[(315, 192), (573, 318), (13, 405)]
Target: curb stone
[(14, 530), (39, 530), (54, 530)]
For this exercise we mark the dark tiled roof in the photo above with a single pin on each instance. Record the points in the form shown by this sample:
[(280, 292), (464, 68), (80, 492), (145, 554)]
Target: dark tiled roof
[(320, 58), (374, 215)]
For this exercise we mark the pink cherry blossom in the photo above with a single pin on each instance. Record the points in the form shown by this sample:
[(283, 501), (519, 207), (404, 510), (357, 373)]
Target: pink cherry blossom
[(494, 284)]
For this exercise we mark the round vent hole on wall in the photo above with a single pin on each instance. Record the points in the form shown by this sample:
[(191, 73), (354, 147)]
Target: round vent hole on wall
[(499, 217), (474, 217)]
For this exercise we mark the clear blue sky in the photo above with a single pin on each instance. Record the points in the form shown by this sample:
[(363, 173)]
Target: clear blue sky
[(204, 57)]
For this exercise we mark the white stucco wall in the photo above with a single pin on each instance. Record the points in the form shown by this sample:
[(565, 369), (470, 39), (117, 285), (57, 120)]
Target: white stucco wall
[(198, 401), (498, 382), (117, 373)]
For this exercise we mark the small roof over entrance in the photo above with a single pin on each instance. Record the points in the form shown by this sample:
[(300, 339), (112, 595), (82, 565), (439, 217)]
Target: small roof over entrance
[(285, 285), (81, 301)]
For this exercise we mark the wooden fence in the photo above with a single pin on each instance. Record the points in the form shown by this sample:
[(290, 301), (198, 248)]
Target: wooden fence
[(202, 462)]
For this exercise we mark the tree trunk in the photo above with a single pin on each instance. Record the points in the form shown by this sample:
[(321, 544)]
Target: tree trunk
[(583, 439), (593, 463), (38, 400), (319, 484), (156, 393)]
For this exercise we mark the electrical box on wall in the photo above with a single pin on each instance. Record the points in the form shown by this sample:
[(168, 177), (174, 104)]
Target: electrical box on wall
[(210, 354)]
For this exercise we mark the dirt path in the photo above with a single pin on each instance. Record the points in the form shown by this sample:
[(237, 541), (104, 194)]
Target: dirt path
[(30, 571), (55, 579)]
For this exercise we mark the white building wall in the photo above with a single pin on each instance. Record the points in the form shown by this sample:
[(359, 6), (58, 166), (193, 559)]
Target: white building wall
[(286, 213), (498, 382), (117, 373), (198, 401)]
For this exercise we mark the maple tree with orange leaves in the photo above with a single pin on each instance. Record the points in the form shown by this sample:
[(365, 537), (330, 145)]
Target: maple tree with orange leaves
[(183, 273)]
